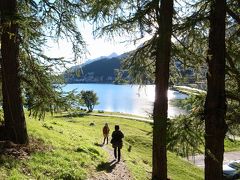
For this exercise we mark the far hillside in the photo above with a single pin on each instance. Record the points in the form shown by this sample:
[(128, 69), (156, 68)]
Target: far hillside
[(105, 69), (102, 70)]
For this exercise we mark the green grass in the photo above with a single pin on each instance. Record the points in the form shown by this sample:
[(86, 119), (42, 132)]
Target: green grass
[(72, 150), (231, 145)]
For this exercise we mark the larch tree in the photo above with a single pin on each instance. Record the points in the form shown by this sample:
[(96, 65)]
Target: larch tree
[(15, 125), (26, 27), (215, 105), (221, 47), (160, 111), (140, 17)]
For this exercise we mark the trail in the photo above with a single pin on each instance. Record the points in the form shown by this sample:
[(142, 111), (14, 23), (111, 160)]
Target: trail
[(111, 169)]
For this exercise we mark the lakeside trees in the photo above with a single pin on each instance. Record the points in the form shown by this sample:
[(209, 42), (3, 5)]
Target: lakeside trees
[(89, 99)]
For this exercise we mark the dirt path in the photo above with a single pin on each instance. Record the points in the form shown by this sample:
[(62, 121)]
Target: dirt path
[(111, 169)]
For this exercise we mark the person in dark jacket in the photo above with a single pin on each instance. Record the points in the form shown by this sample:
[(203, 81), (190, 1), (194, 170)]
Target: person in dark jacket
[(117, 143)]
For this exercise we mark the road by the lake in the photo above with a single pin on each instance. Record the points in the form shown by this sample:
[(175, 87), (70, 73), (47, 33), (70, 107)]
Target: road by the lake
[(124, 116), (198, 160)]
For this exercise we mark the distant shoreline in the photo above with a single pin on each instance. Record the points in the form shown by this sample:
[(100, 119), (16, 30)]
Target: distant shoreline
[(106, 83), (181, 89)]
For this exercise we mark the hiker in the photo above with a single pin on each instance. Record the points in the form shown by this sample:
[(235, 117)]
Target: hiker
[(117, 143), (106, 131)]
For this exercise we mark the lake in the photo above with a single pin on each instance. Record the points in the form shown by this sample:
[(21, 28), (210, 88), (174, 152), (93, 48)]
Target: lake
[(129, 99)]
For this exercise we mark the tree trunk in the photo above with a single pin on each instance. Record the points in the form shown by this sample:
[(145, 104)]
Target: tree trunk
[(215, 105), (160, 111), (15, 125)]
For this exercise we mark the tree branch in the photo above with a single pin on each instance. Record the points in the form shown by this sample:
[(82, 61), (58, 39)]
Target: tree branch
[(233, 15)]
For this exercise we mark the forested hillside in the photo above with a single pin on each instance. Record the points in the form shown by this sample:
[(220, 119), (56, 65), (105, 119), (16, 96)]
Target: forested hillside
[(106, 70), (99, 71)]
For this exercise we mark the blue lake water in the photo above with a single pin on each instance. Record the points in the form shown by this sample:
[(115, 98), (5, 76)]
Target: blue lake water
[(129, 99)]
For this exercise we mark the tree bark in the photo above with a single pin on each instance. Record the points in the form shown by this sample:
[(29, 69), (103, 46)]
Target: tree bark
[(15, 125), (160, 111), (215, 105)]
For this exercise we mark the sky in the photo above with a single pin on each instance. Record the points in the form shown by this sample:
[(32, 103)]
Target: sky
[(95, 47)]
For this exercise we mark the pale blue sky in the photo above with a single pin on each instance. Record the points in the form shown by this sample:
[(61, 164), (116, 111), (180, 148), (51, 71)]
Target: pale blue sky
[(96, 47)]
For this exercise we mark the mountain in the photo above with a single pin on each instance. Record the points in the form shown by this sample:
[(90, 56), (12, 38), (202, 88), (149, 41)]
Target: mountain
[(104, 70), (100, 70), (112, 55)]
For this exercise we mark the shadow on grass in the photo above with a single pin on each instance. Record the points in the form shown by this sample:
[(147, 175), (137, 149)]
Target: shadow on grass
[(107, 166), (73, 114), (97, 144)]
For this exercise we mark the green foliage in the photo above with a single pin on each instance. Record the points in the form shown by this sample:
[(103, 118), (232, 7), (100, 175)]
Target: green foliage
[(54, 20), (194, 104), (192, 43), (57, 102), (41, 94), (38, 23), (89, 99), (231, 144), (185, 135), (141, 64), (141, 18), (137, 19), (186, 132)]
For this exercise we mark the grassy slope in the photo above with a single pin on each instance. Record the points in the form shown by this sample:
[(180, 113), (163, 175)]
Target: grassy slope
[(231, 145), (75, 154)]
